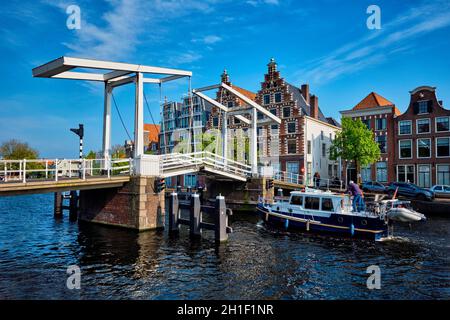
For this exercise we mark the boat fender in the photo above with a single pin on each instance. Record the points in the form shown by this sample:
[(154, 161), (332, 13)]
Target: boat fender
[(286, 223), (352, 229), (267, 216), (307, 225)]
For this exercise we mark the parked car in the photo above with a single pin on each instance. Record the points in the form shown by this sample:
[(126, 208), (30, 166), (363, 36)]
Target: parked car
[(410, 190), (373, 186), (441, 191)]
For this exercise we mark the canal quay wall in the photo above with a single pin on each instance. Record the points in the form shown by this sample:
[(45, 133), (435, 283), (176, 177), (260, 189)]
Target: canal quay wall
[(240, 196), (136, 205)]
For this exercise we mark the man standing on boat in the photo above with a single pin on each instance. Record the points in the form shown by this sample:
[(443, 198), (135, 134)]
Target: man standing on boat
[(358, 201)]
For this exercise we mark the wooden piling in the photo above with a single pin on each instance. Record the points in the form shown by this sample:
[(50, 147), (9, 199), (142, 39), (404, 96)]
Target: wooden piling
[(221, 218), (73, 206), (174, 212), (195, 216), (57, 209)]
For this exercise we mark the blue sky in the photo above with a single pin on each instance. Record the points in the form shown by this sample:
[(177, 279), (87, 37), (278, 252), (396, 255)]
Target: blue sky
[(324, 43)]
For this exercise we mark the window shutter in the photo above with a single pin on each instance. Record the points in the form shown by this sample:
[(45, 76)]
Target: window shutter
[(430, 106), (416, 107)]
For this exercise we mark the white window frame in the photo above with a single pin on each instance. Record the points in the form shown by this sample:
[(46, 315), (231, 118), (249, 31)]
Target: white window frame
[(431, 174), (376, 124), (275, 99), (435, 124), (386, 143), (406, 172), (399, 149), (417, 148), (417, 126), (405, 134), (287, 127), (376, 171), (437, 171), (436, 146), (418, 107)]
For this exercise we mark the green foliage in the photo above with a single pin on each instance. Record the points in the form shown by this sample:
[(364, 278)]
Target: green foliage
[(91, 155), (355, 143), (118, 151), (17, 150)]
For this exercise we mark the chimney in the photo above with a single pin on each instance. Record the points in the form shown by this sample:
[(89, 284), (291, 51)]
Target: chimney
[(314, 107), (225, 78), (305, 92), (272, 66)]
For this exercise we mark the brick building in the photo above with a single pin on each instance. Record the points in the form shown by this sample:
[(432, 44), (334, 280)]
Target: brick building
[(378, 114), (423, 140), (151, 138), (284, 146)]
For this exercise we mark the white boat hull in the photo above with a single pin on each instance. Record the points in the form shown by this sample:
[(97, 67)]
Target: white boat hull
[(405, 215)]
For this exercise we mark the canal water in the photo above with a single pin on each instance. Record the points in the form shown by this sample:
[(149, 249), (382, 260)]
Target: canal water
[(256, 263)]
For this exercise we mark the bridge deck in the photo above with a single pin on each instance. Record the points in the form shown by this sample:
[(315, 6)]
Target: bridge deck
[(38, 186)]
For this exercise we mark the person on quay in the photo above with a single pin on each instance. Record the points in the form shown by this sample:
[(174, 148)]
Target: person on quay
[(317, 179)]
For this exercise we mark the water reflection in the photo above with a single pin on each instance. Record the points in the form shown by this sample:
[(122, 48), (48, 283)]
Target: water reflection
[(258, 262)]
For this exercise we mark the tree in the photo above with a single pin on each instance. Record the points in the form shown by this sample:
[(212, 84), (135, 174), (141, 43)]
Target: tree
[(91, 155), (118, 151), (355, 143), (17, 150)]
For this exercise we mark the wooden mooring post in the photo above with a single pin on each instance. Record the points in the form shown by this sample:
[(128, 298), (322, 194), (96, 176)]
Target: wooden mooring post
[(72, 207), (196, 210)]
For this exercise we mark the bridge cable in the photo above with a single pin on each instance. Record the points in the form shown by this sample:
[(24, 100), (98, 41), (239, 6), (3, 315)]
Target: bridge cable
[(120, 116), (148, 108)]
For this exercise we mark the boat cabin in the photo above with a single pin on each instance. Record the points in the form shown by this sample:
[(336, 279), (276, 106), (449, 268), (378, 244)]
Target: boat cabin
[(319, 201)]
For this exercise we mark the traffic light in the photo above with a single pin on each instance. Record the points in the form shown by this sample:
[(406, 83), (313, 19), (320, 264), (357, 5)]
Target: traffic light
[(160, 185), (269, 184)]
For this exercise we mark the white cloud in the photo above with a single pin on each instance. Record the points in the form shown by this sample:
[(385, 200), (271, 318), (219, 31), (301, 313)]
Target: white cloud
[(120, 30), (211, 39), (184, 58), (395, 37), (256, 3)]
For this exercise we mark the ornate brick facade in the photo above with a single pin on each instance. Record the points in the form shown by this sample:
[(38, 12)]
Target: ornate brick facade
[(423, 140)]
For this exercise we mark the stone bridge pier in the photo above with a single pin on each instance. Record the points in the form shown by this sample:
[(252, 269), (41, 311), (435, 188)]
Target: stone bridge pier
[(136, 205)]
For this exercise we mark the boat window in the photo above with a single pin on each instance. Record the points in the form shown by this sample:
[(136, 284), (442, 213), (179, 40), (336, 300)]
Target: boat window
[(438, 188), (298, 200), (312, 203), (327, 204)]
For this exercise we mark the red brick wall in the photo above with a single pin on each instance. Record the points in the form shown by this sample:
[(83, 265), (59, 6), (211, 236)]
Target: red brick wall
[(437, 111)]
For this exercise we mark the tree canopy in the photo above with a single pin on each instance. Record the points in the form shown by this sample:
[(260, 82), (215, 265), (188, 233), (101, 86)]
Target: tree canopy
[(16, 150), (355, 143)]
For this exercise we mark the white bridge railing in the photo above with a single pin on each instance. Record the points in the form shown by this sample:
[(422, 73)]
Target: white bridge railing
[(26, 170), (171, 163), (318, 183)]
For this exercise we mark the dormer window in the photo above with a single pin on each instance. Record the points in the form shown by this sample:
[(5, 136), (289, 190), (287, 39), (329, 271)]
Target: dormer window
[(423, 107)]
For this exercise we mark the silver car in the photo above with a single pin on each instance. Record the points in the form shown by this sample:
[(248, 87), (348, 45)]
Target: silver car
[(441, 191)]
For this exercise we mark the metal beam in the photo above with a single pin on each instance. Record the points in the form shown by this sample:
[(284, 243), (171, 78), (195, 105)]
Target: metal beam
[(115, 74), (79, 76), (210, 100), (121, 81), (63, 64), (166, 79), (51, 68), (214, 86), (151, 80), (252, 103), (242, 118)]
